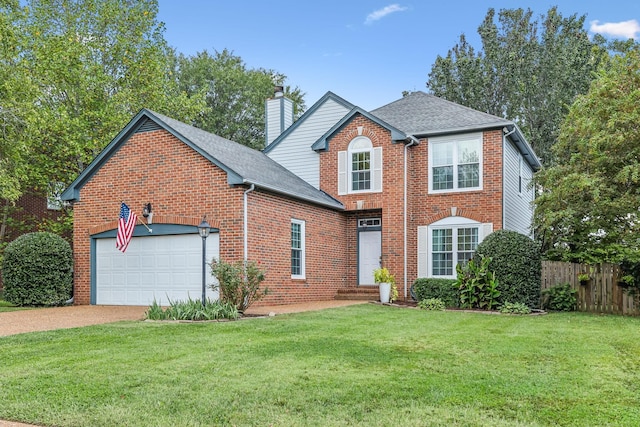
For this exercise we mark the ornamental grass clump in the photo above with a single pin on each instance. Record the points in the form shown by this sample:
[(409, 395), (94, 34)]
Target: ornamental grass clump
[(192, 310)]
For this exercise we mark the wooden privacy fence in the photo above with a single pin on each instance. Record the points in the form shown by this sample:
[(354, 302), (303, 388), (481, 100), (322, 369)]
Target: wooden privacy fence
[(600, 294)]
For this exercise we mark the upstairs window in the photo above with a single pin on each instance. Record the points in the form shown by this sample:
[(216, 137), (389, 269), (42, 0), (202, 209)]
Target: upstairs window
[(455, 163), (360, 167)]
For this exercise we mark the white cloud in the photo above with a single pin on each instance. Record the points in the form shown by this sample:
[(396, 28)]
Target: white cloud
[(381, 13), (627, 29)]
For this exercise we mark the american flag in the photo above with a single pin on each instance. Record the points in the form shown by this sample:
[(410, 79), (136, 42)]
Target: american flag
[(126, 225)]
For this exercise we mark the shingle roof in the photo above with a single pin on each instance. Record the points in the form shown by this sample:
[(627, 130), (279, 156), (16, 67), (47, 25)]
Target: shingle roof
[(422, 114), (242, 164)]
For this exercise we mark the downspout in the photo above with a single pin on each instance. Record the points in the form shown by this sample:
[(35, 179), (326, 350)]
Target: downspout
[(505, 133), (414, 141), (246, 223)]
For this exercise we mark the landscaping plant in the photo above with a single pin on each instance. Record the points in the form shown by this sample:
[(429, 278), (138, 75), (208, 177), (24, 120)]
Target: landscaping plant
[(514, 308), (478, 286), (238, 283), (516, 263), (192, 310), (443, 289), (560, 298), (37, 270), (432, 304)]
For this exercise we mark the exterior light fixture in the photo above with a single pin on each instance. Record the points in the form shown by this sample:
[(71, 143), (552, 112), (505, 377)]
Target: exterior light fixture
[(204, 229)]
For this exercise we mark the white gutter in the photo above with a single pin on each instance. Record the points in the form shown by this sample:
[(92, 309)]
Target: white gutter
[(414, 141), (246, 224)]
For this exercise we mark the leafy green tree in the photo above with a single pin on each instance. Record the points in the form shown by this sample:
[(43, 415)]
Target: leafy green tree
[(95, 64), (235, 95), (528, 70), (588, 209), (72, 73), (12, 147)]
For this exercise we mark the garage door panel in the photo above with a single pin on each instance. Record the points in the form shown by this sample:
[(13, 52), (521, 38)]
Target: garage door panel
[(159, 268)]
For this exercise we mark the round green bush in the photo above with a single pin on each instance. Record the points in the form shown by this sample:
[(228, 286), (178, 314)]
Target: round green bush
[(37, 270), (516, 262)]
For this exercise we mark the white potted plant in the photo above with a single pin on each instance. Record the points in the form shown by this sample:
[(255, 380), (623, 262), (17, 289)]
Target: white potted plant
[(386, 284)]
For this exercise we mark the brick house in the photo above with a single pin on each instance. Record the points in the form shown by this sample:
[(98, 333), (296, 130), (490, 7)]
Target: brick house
[(414, 185)]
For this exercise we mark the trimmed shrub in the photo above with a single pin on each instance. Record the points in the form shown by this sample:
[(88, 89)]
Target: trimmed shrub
[(37, 270), (442, 289), (516, 262)]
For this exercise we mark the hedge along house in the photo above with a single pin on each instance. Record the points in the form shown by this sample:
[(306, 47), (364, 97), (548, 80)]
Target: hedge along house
[(414, 186)]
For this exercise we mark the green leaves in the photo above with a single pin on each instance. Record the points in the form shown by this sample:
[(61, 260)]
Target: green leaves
[(529, 70), (478, 286), (239, 282), (234, 94), (588, 209)]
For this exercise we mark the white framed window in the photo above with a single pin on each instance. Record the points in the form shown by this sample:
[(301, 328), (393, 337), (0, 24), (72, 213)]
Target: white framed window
[(447, 243), (360, 167), (297, 249), (455, 163)]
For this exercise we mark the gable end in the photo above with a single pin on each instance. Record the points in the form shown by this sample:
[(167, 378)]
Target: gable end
[(148, 126)]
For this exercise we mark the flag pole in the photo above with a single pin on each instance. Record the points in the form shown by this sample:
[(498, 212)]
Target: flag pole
[(146, 226)]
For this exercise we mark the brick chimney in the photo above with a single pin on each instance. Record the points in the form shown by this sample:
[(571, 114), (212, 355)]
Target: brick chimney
[(278, 114)]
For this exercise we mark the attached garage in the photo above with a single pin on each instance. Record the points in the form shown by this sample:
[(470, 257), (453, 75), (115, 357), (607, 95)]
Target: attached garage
[(160, 267)]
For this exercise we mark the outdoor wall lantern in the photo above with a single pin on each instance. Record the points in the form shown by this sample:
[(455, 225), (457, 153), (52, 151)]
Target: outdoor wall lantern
[(204, 229), (147, 213)]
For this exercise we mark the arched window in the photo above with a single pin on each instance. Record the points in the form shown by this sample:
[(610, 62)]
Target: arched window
[(360, 150), (360, 167)]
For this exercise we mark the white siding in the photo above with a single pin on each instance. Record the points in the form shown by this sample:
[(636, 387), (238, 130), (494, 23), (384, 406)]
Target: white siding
[(295, 153), (518, 208)]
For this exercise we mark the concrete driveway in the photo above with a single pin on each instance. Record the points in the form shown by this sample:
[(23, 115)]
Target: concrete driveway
[(47, 319)]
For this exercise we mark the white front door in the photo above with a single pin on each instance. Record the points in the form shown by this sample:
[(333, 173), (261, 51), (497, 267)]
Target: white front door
[(369, 252)]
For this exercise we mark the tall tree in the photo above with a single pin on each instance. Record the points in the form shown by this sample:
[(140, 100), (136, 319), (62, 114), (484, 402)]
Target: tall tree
[(94, 64), (12, 147), (235, 95), (528, 70), (589, 208)]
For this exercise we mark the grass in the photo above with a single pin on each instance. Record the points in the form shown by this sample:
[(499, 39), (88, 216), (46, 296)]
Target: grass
[(7, 306), (360, 365)]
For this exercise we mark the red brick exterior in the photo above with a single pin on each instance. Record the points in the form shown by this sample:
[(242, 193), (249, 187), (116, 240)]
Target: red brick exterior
[(182, 186), (422, 208)]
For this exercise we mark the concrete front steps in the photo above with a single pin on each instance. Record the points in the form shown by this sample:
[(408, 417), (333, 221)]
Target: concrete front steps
[(361, 293)]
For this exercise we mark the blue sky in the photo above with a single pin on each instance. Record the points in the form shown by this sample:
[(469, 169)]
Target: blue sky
[(365, 51)]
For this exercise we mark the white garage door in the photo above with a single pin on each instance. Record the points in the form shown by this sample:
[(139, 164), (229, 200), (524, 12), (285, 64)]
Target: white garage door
[(156, 267)]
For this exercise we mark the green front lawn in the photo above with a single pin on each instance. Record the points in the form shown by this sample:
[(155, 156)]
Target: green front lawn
[(7, 306), (360, 365)]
